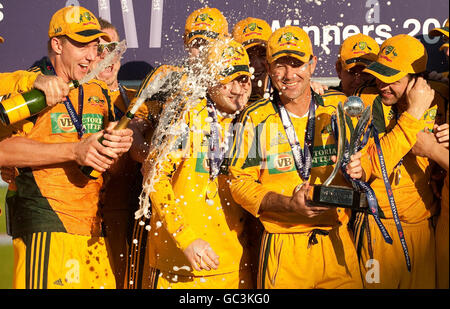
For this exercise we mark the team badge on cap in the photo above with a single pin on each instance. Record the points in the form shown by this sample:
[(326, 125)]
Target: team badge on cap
[(228, 59), (358, 49), (289, 41), (77, 23), (252, 31), (399, 55), (206, 23)]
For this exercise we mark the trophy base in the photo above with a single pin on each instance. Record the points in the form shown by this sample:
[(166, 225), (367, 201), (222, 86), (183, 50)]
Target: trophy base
[(337, 196)]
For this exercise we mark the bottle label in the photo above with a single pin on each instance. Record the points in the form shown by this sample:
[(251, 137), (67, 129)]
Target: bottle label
[(16, 108)]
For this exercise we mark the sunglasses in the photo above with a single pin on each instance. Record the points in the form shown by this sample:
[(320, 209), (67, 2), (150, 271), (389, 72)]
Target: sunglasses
[(106, 46)]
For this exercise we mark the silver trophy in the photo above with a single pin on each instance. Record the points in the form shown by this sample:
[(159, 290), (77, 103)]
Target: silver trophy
[(340, 196)]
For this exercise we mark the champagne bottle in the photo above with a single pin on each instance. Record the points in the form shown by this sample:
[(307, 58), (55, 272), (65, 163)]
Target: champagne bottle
[(123, 124), (24, 105)]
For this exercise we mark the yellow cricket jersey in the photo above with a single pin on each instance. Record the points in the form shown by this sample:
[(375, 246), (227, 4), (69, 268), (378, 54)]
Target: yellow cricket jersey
[(153, 105), (409, 181), (59, 198), (18, 81), (183, 210), (262, 162)]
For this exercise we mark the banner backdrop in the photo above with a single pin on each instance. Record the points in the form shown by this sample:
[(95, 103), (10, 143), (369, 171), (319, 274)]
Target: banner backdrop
[(154, 28)]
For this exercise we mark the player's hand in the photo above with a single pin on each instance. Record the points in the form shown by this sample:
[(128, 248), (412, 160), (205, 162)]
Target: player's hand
[(425, 142), (298, 202), (318, 87), (89, 152), (201, 256), (54, 88), (354, 168), (419, 97), (118, 141), (442, 134)]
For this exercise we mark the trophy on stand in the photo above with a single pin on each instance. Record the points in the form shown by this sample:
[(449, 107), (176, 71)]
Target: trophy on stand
[(341, 196)]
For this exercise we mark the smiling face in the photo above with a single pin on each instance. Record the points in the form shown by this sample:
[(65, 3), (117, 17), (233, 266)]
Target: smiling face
[(291, 77), (257, 55), (394, 92), (109, 75), (73, 59), (233, 96), (353, 78)]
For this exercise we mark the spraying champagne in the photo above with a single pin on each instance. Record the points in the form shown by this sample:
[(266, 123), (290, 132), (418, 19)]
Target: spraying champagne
[(25, 105), (151, 89)]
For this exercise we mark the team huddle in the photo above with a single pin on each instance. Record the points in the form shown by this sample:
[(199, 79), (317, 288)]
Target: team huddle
[(210, 184)]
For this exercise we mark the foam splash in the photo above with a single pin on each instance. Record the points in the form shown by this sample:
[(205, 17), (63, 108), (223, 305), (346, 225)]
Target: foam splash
[(191, 88), (111, 58)]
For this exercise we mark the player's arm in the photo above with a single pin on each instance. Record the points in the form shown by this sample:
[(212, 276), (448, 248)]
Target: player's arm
[(247, 191), (18, 81), (428, 146), (399, 141), (245, 168), (19, 151)]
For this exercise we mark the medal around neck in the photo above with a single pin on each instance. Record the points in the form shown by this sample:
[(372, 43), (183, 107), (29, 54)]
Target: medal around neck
[(341, 196)]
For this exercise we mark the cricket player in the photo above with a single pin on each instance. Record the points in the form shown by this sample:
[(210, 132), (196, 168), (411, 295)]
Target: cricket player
[(403, 104), (197, 231), (303, 246), (356, 52), (254, 33), (56, 227), (203, 26)]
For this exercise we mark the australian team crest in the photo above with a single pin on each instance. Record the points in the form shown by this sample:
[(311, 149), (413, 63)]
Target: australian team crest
[(232, 53), (288, 38), (252, 28), (361, 48), (204, 19), (388, 52), (96, 101)]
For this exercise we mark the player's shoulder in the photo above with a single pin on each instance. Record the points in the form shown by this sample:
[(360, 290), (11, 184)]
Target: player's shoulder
[(95, 84), (259, 111), (331, 97)]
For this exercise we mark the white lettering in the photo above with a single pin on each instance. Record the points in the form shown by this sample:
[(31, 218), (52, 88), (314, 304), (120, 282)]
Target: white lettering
[(73, 274), (1, 13), (373, 274), (429, 24), (373, 14), (383, 31)]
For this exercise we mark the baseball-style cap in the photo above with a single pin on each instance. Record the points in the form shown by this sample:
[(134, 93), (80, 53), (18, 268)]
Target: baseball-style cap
[(399, 55), (439, 31), (77, 23), (206, 23), (252, 31), (228, 59), (443, 31), (289, 41), (359, 49)]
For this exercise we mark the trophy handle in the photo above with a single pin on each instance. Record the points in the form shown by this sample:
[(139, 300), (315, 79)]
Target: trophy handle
[(341, 143), (355, 139)]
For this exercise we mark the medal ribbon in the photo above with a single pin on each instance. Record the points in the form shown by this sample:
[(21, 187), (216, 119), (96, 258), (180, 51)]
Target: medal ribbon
[(302, 157), (216, 152)]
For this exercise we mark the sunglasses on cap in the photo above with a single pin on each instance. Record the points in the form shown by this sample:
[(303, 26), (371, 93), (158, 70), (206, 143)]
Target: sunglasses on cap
[(109, 47)]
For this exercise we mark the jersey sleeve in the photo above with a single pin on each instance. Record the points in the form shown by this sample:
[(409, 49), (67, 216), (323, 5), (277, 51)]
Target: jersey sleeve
[(164, 201), (245, 167), (18, 81), (394, 145)]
